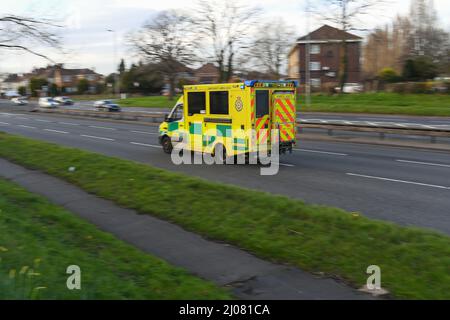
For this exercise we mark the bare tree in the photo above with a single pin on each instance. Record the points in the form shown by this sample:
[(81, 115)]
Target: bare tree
[(26, 33), (225, 27), (427, 38), (348, 16), (167, 40), (271, 46)]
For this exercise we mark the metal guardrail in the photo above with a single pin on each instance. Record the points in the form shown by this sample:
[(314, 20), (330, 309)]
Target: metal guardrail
[(382, 130), (134, 116)]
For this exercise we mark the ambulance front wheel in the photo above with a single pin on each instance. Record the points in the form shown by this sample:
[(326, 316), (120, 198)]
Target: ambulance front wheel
[(167, 144)]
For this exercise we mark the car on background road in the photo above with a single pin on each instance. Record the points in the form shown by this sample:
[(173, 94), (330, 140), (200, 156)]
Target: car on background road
[(106, 105), (350, 88), (21, 101), (47, 102), (65, 101)]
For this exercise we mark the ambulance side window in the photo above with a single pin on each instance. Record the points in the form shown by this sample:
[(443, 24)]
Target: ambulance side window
[(262, 103), (218, 102), (196, 102)]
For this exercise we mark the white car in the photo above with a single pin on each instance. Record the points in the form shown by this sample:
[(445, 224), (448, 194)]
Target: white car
[(47, 103), (351, 88), (21, 101), (64, 101)]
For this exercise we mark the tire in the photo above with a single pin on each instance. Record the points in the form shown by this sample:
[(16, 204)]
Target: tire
[(167, 145), (221, 153)]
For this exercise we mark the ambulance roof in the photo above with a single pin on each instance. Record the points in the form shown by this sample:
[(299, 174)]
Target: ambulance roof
[(247, 83)]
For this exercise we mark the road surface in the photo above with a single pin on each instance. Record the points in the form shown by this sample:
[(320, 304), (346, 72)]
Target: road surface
[(406, 186), (367, 120)]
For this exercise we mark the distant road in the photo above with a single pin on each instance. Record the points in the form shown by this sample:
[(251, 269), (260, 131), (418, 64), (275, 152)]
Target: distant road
[(396, 120), (407, 186)]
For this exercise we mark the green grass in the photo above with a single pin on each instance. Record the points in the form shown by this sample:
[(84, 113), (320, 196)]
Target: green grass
[(375, 103), (381, 103), (39, 240), (149, 102), (414, 262)]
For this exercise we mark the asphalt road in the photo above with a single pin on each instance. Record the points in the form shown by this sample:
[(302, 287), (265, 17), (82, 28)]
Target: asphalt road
[(368, 120), (406, 186)]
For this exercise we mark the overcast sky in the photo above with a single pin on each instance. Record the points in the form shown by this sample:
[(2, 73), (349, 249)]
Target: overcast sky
[(88, 44)]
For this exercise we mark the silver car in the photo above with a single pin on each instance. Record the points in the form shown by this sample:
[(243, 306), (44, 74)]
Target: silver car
[(106, 105), (21, 101)]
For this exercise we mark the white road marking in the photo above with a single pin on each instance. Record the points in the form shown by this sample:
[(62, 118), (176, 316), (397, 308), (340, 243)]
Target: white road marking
[(69, 123), (399, 181), (4, 123), (323, 152), (22, 118), (56, 131), (145, 145), (104, 128), (28, 127), (143, 132), (287, 165), (41, 120), (425, 163), (95, 137)]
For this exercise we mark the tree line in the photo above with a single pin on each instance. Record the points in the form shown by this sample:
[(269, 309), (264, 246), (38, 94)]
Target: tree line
[(410, 48)]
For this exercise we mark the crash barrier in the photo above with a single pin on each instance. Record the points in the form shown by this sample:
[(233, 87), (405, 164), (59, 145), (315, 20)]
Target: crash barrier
[(330, 128), (381, 130), (130, 116)]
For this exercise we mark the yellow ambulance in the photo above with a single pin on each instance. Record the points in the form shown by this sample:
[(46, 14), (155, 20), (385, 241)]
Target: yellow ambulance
[(237, 117)]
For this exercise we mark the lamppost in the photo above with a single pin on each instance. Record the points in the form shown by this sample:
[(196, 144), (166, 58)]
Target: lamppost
[(308, 56), (116, 76)]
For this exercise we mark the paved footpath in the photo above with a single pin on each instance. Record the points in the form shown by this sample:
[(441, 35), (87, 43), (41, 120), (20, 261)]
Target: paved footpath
[(249, 276)]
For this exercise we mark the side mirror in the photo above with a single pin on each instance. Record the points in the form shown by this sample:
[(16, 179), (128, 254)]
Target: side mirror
[(166, 117)]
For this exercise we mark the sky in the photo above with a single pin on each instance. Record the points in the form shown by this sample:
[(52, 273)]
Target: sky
[(88, 44)]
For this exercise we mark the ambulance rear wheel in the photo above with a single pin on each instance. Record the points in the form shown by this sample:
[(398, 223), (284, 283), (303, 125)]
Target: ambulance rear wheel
[(167, 145)]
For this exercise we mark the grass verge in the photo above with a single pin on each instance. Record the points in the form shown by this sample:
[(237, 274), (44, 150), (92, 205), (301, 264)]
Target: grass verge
[(414, 262), (149, 102), (39, 240), (374, 103), (381, 103)]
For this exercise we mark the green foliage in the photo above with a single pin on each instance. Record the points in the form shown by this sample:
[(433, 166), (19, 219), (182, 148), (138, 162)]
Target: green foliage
[(121, 67), (54, 90), (419, 69), (83, 86), (39, 240), (22, 91), (141, 79), (36, 85), (389, 75), (414, 262)]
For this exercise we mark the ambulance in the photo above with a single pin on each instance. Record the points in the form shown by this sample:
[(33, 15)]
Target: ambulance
[(233, 118)]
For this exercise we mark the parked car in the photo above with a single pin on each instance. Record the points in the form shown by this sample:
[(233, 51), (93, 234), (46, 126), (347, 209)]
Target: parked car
[(21, 101), (47, 103), (106, 105), (350, 88), (64, 101)]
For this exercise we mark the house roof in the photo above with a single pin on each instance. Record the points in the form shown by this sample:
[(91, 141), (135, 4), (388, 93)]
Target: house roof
[(76, 72), (327, 32), (13, 77), (208, 68)]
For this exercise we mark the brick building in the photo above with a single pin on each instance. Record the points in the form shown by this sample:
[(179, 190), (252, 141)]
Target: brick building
[(326, 50)]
